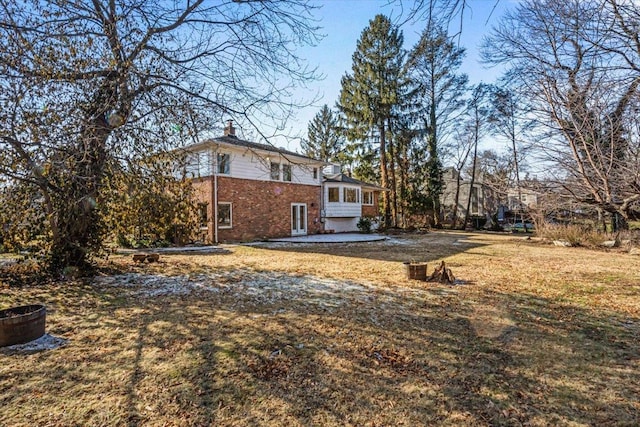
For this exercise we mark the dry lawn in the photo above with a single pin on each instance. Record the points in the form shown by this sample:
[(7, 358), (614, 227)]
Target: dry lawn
[(334, 335)]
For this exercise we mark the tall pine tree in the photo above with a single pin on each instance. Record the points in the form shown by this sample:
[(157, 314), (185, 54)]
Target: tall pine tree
[(370, 93), (324, 138), (434, 64)]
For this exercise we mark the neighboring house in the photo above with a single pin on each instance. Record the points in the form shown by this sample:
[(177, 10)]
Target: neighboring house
[(477, 207), (249, 191), (522, 199), (518, 205), (346, 200)]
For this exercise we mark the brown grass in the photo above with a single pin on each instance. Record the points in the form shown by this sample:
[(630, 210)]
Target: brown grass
[(586, 235), (335, 335)]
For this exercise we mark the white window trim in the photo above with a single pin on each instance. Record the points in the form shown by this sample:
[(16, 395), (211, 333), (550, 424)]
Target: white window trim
[(304, 218), (372, 198), (339, 198), (226, 227), (279, 178), (285, 165), (344, 194), (219, 153)]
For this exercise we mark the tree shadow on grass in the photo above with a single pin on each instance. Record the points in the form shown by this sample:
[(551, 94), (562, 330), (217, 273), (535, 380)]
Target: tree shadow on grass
[(309, 364), (557, 364), (251, 355)]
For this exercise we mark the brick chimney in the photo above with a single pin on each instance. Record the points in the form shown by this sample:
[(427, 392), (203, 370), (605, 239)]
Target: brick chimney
[(229, 130)]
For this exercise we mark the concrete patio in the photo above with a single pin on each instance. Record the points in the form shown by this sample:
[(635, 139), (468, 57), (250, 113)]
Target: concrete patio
[(332, 238)]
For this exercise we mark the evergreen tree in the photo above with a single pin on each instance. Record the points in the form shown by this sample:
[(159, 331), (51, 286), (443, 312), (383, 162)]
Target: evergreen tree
[(371, 92), (433, 64), (325, 139)]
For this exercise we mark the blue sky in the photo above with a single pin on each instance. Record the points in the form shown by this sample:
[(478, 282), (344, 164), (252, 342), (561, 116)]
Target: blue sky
[(342, 22)]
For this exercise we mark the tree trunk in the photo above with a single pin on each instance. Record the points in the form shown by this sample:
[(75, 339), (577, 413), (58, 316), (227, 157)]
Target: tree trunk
[(384, 182), (467, 213), (456, 201), (393, 183), (436, 181), (516, 164), (76, 216), (404, 178)]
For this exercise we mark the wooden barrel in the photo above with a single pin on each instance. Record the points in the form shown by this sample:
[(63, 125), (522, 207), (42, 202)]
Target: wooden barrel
[(416, 270), (19, 325)]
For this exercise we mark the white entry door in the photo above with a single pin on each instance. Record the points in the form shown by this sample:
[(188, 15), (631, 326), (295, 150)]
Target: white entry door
[(298, 219)]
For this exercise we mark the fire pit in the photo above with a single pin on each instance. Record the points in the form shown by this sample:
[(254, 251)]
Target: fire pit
[(416, 270), (19, 325)]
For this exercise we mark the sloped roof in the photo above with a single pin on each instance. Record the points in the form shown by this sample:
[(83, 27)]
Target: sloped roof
[(233, 140), (340, 177), (237, 142)]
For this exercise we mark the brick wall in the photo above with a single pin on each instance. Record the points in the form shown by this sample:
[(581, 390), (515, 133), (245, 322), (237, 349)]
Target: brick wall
[(372, 210), (260, 209), (204, 194)]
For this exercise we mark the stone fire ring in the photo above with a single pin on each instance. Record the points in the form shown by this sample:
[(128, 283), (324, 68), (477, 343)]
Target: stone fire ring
[(22, 324)]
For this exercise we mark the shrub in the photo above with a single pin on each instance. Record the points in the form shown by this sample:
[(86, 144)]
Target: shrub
[(580, 234), (23, 273), (364, 224), (123, 241)]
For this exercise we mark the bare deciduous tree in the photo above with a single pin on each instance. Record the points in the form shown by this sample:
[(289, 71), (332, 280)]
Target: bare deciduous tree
[(509, 119), (458, 153), (579, 62), (85, 81), (434, 66), (477, 113)]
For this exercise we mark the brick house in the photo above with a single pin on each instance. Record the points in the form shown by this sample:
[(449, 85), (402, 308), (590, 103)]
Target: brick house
[(249, 191)]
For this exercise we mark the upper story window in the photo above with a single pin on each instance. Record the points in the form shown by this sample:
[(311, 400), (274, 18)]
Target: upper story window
[(224, 160), (367, 197), (191, 165), (286, 172), (351, 195), (197, 164), (275, 170), (334, 194), (315, 173)]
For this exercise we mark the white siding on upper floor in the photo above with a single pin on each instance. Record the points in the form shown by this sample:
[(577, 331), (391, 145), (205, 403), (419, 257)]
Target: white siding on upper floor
[(195, 164), (245, 163)]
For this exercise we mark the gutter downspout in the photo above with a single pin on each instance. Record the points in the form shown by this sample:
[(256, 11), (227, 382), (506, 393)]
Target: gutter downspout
[(215, 200), (323, 213)]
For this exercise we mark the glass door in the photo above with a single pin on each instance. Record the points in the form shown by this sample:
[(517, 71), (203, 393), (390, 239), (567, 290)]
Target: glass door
[(298, 219)]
